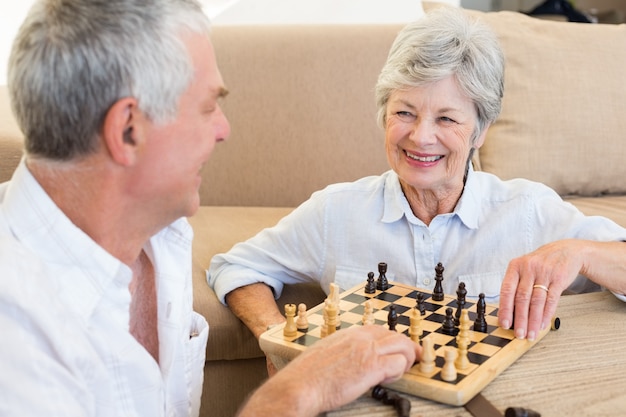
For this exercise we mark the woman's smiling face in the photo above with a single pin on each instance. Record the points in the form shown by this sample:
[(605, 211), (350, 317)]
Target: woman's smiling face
[(428, 136)]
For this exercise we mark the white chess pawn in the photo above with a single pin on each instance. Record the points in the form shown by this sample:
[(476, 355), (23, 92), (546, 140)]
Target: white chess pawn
[(302, 323), (448, 372)]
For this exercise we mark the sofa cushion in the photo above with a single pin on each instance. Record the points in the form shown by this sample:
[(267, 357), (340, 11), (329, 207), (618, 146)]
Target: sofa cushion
[(613, 207), (562, 120), (302, 111), (216, 230)]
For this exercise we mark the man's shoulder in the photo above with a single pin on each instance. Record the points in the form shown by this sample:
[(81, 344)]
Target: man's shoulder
[(3, 190), (25, 287), (17, 262)]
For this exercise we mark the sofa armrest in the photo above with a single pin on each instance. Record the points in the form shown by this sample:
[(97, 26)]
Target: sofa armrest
[(216, 230), (229, 338)]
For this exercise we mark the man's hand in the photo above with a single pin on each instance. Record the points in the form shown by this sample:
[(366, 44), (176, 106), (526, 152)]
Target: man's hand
[(334, 371)]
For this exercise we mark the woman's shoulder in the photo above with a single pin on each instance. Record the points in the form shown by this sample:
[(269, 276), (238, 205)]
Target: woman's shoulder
[(488, 184), (369, 184)]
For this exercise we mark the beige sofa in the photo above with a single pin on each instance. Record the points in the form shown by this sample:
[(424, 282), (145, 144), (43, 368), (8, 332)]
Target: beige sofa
[(303, 116)]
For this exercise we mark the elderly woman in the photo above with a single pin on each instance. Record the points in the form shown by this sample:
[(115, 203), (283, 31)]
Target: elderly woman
[(515, 241)]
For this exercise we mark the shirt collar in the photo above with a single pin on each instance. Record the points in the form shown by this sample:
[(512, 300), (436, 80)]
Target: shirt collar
[(468, 207), (396, 205)]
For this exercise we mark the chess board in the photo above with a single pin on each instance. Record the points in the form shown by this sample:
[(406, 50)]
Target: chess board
[(490, 352)]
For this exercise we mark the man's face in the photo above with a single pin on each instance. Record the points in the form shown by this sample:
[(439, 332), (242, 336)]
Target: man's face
[(175, 152)]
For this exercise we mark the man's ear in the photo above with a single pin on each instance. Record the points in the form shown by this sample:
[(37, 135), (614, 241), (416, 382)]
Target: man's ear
[(121, 131)]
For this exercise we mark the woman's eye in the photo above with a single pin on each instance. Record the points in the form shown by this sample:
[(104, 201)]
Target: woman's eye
[(405, 115)]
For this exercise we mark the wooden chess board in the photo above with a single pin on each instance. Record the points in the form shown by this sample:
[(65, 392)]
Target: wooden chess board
[(489, 352)]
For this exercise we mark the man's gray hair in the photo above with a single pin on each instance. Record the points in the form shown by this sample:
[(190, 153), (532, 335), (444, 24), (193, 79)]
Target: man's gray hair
[(73, 59)]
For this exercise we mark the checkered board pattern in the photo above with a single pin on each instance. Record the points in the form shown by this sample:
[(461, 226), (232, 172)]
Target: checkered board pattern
[(489, 353)]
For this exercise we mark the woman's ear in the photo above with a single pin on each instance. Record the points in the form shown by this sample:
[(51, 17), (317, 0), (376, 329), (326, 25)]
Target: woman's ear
[(480, 140), (120, 132)]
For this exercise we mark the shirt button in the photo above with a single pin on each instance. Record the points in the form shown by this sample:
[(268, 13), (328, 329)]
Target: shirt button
[(427, 281)]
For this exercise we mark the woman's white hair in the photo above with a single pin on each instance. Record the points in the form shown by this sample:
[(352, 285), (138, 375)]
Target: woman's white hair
[(445, 42)]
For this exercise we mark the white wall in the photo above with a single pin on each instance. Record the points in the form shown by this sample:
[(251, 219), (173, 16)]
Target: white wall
[(11, 16), (12, 13), (318, 11)]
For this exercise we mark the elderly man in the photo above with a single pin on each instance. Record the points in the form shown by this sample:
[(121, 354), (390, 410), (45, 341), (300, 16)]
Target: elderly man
[(119, 104)]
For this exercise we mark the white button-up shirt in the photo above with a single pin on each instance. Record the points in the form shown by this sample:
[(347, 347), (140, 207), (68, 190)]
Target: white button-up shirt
[(343, 232), (66, 349)]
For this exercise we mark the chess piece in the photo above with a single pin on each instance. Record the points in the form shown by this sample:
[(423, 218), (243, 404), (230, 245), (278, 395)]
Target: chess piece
[(480, 324), (302, 323), (403, 407), (382, 284), (368, 313), (461, 292), (463, 341), (438, 291), (334, 293), (334, 300), (392, 317), (370, 287), (420, 303), (324, 327), (520, 412), (331, 312), (427, 360), (290, 329), (448, 326), (401, 404), (323, 330), (448, 372), (415, 329)]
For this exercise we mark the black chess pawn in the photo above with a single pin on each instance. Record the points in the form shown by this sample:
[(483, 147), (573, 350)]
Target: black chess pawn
[(448, 326), (382, 283), (420, 303), (480, 324), (403, 407), (379, 392), (461, 292), (438, 291), (520, 412), (392, 317), (370, 287), (401, 404)]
